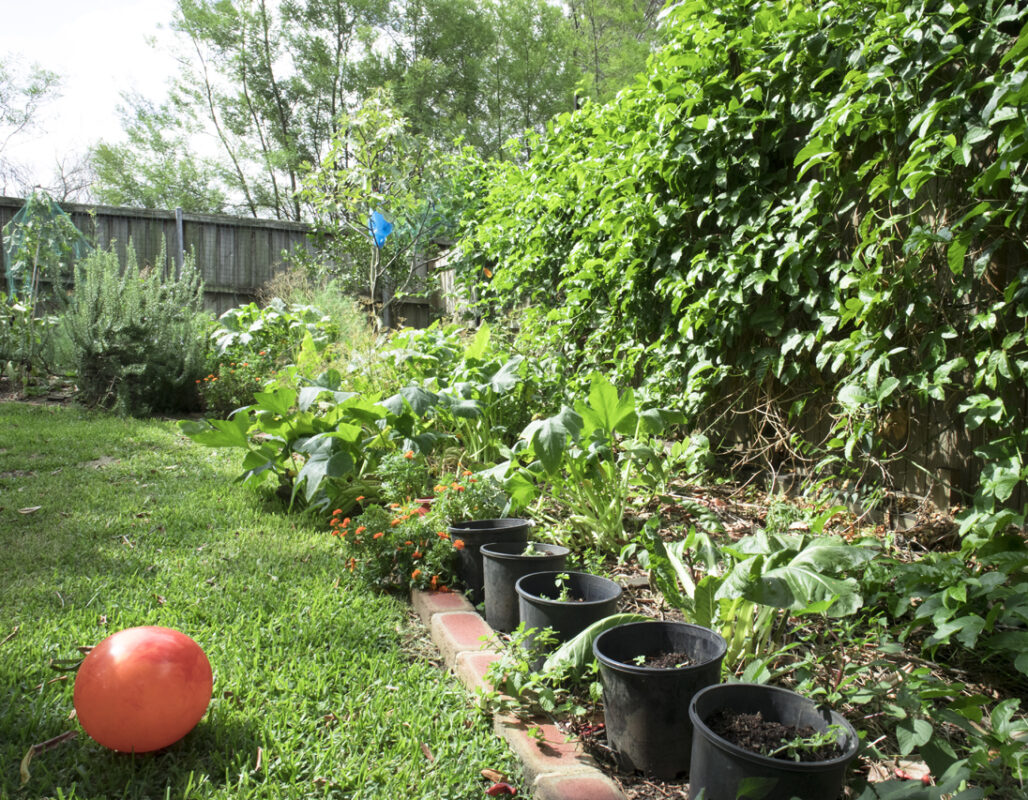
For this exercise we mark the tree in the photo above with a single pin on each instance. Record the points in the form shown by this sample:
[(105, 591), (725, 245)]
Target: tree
[(155, 168), (22, 94), (375, 164)]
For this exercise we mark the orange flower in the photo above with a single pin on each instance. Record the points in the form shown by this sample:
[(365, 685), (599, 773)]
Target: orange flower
[(467, 473), (394, 505), (360, 530), (414, 574), (458, 544), (378, 535), (417, 554), (442, 534), (359, 499), (409, 454), (434, 582), (346, 522), (337, 512), (409, 544), (445, 589), (438, 488), (394, 522)]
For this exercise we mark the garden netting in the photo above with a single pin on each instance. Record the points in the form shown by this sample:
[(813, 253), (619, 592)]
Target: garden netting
[(40, 245)]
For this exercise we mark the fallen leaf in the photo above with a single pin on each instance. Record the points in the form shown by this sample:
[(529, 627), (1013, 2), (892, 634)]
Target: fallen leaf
[(29, 510), (498, 789), (494, 776), (428, 753)]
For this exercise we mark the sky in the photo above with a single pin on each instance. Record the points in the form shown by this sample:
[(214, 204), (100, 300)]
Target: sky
[(100, 49)]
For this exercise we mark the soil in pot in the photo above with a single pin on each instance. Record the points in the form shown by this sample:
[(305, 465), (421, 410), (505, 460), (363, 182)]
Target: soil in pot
[(650, 672), (722, 769), (773, 739)]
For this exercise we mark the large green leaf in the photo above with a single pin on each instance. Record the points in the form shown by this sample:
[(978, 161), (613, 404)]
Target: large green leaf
[(507, 376), (218, 432), (419, 400), (577, 653), (606, 411), (548, 438)]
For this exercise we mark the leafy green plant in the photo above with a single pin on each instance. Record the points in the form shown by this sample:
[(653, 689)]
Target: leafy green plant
[(591, 459), (979, 604), (794, 749), (137, 336), (466, 496), (748, 589), (278, 329), (404, 476), (320, 444)]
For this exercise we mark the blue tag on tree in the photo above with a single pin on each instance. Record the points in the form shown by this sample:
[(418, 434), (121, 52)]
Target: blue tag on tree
[(380, 228)]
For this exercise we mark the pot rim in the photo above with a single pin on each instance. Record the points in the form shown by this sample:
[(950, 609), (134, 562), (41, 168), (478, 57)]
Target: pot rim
[(472, 526), (546, 601), (639, 669), (491, 550), (734, 750)]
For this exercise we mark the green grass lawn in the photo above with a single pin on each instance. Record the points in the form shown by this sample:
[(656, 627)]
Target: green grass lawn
[(318, 690)]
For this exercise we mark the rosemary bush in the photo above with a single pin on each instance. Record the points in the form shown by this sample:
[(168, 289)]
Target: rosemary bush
[(138, 338)]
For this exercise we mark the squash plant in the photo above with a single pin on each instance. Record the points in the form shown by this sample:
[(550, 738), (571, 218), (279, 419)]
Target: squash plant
[(320, 443), (594, 457)]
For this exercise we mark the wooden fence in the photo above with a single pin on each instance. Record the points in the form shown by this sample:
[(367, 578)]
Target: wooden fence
[(236, 255)]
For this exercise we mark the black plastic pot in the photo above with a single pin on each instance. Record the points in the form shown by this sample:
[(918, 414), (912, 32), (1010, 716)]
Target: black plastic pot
[(723, 771), (593, 598), (474, 534), (502, 565), (646, 709)]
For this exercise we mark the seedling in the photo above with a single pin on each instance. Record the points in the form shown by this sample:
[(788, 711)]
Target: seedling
[(532, 550), (795, 748)]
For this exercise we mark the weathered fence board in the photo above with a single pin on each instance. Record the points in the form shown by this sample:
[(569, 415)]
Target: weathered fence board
[(236, 255)]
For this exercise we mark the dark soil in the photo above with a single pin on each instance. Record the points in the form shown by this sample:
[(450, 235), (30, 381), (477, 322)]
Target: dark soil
[(671, 660), (767, 737)]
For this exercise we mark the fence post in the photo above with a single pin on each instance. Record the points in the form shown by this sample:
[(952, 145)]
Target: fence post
[(179, 243)]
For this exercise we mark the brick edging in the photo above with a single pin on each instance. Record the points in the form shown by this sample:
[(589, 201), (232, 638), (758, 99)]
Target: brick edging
[(554, 768)]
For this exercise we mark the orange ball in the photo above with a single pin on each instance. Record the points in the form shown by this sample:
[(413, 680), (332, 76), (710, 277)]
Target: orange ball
[(142, 689)]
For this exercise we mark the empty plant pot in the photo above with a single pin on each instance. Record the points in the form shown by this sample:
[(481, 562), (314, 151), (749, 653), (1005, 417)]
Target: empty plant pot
[(567, 602), (722, 770), (474, 534), (646, 707), (503, 564)]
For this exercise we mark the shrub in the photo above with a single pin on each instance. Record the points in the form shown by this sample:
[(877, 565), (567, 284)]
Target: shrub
[(137, 338), (396, 547)]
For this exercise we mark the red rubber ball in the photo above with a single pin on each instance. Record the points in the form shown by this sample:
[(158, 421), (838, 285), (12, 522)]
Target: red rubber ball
[(142, 689)]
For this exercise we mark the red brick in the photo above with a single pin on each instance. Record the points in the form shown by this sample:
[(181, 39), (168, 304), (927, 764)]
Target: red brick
[(552, 752), (472, 666), (577, 787), (458, 632), (428, 604)]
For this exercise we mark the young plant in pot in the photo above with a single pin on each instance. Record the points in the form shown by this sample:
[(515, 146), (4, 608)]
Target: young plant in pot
[(754, 740), (566, 602), (650, 672), (503, 563)]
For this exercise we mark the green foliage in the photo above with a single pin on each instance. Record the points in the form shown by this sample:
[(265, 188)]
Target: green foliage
[(319, 444), (137, 336), (592, 458), (814, 211), (278, 329), (404, 476), (463, 497), (978, 604), (748, 589)]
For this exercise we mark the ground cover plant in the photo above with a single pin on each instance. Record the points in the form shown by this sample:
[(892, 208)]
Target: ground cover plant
[(320, 687)]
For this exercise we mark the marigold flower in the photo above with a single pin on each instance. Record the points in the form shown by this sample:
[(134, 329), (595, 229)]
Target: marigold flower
[(445, 589), (360, 530), (442, 534), (438, 488), (409, 544), (394, 522), (359, 499), (346, 522), (378, 535), (337, 512), (458, 544), (409, 454), (434, 581), (394, 505), (466, 473), (417, 554), (414, 574)]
